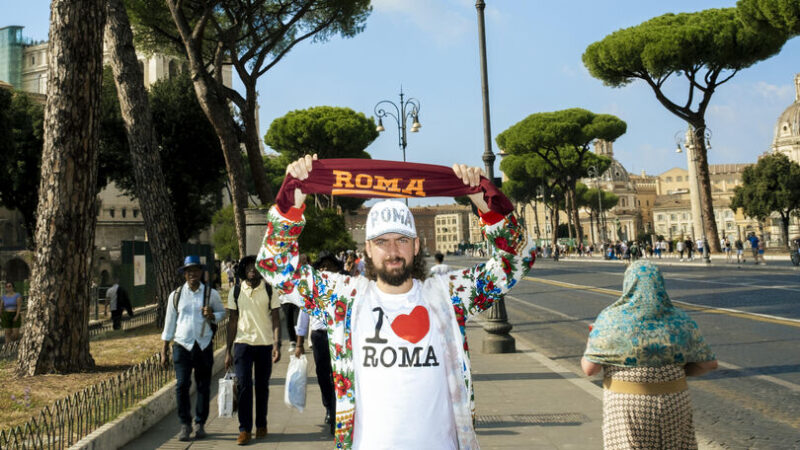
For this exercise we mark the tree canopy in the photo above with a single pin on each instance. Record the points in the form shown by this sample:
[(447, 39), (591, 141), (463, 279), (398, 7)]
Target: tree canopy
[(770, 186), (705, 48), (781, 15), (21, 140), (561, 142)]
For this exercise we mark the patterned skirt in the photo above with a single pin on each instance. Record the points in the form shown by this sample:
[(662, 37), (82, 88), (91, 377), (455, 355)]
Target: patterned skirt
[(632, 421)]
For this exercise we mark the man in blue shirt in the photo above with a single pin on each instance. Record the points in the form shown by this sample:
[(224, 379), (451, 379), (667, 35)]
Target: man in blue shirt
[(188, 323), (754, 246)]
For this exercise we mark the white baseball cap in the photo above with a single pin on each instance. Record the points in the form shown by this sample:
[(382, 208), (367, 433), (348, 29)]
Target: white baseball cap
[(390, 216)]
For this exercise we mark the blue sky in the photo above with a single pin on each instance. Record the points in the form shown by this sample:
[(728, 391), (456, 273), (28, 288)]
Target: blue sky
[(534, 55)]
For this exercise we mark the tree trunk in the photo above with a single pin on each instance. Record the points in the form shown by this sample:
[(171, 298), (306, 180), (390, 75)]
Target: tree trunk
[(554, 224), (575, 216), (591, 226), (56, 337), (156, 207), (785, 217), (253, 147), (536, 221), (215, 106), (704, 184)]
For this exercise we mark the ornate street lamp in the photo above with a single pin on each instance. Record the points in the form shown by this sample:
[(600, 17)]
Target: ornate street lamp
[(405, 110), (690, 141)]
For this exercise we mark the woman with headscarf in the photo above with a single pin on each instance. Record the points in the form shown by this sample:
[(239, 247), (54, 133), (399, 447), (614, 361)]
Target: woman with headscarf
[(646, 348)]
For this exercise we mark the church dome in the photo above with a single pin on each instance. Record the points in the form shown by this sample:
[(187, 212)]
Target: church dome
[(615, 172), (787, 129)]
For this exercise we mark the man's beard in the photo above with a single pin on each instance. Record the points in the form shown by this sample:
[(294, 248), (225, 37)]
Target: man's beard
[(394, 277)]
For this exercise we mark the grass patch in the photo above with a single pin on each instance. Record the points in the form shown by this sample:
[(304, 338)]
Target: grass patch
[(113, 352)]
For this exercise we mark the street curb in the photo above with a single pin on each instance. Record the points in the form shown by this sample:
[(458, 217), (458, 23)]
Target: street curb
[(131, 424)]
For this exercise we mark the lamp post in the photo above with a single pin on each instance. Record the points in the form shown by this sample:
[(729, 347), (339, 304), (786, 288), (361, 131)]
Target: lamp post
[(690, 140), (498, 339)]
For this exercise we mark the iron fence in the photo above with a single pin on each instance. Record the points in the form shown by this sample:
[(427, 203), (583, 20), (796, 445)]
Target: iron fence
[(65, 422), (9, 349)]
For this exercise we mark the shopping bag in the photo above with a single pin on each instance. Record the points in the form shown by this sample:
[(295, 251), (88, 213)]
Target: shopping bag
[(225, 396), (295, 389)]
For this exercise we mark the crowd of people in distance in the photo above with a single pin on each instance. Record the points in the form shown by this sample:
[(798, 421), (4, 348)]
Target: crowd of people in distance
[(684, 248)]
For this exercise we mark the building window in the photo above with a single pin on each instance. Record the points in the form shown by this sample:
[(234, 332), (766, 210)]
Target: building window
[(135, 213), (669, 179), (679, 178), (684, 216), (124, 212), (660, 217), (672, 217), (111, 213), (33, 60)]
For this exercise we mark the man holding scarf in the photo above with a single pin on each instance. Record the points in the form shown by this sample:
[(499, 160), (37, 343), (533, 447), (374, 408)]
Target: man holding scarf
[(398, 347)]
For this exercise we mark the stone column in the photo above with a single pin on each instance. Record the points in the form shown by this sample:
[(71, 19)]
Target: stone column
[(255, 226)]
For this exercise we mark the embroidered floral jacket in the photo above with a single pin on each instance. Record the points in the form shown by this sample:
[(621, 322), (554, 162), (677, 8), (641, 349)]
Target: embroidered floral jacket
[(453, 299)]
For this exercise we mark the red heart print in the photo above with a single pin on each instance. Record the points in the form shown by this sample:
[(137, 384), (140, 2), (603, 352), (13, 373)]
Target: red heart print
[(412, 327)]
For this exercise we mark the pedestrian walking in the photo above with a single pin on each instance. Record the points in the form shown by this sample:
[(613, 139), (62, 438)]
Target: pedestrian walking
[(689, 248), (401, 372), (117, 301), (190, 321), (726, 245), (754, 246), (253, 345), (739, 251), (646, 400), (10, 310), (440, 268), (761, 248), (681, 247)]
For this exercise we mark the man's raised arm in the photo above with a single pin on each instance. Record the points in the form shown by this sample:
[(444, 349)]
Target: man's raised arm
[(512, 256)]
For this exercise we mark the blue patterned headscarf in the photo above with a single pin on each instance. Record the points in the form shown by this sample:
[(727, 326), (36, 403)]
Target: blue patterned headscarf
[(643, 328)]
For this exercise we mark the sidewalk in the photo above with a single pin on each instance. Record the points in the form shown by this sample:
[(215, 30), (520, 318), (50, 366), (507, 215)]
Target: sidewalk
[(781, 262), (523, 400)]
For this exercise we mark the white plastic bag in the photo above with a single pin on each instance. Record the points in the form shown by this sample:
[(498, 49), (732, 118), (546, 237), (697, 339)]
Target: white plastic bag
[(225, 396), (295, 392)]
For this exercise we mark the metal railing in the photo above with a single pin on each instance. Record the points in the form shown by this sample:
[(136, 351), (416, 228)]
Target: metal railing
[(68, 420), (145, 316)]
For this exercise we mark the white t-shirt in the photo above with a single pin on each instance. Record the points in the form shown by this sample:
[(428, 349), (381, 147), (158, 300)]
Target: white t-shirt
[(440, 269), (403, 399)]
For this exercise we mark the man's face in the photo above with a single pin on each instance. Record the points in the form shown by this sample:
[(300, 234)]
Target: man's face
[(251, 272), (193, 275), (393, 255)]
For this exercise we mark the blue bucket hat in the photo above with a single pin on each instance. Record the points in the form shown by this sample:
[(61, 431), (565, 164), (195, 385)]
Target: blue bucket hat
[(191, 261)]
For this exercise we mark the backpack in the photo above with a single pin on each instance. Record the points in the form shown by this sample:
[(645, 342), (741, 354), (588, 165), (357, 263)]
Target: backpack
[(176, 297)]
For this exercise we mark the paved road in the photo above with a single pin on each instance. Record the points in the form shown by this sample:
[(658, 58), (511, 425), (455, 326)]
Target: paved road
[(750, 316)]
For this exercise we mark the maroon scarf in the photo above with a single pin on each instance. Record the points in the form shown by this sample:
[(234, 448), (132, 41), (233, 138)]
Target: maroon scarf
[(370, 178)]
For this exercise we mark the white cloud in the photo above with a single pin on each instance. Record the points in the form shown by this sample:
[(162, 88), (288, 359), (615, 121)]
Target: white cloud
[(782, 93), (446, 22), (723, 113)]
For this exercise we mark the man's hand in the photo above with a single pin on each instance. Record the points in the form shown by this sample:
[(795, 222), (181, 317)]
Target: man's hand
[(276, 354), (298, 351), (471, 176), (228, 360), (208, 313), (165, 355), (300, 170)]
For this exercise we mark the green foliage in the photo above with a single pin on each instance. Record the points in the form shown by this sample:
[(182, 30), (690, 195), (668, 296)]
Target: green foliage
[(325, 230), (772, 185), (328, 131), (680, 43), (21, 141), (226, 245), (191, 157), (606, 200), (552, 149), (770, 15)]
